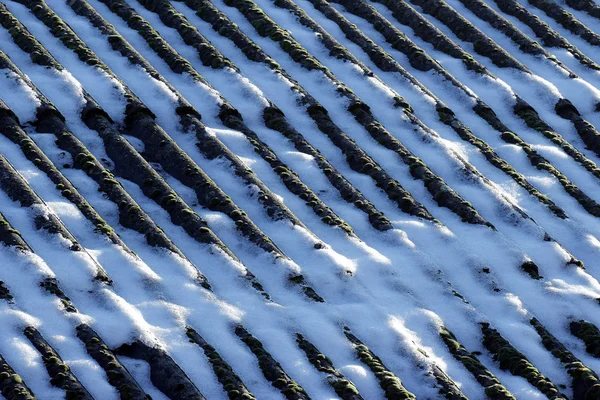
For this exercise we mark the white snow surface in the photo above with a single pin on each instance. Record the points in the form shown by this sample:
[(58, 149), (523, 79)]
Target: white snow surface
[(393, 289)]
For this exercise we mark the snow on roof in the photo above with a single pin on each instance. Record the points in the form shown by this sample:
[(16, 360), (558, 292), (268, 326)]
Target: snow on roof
[(354, 199)]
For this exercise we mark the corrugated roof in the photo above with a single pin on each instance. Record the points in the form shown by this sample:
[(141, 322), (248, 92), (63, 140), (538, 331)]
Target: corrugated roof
[(299, 199)]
